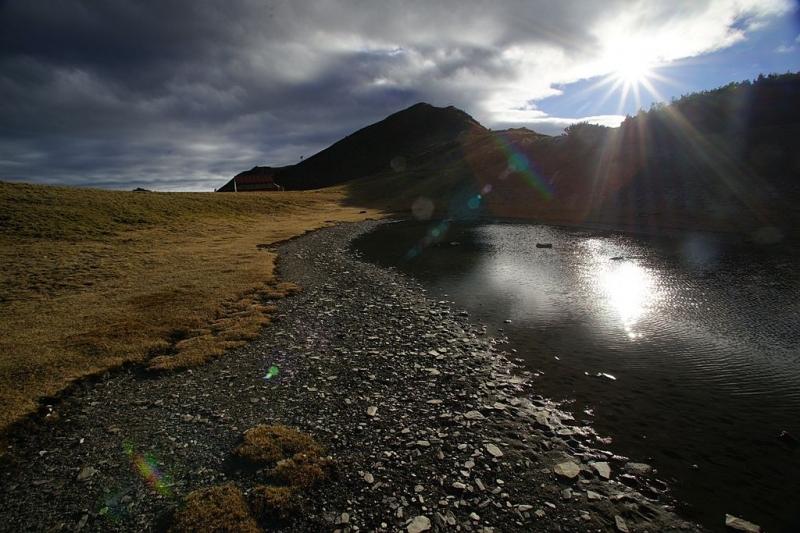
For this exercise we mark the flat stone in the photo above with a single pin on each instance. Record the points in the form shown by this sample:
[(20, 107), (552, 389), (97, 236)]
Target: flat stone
[(459, 486), (739, 524), (567, 469), (622, 527), (434, 402), (418, 524), (423, 443), (592, 495), (522, 508), (638, 468), (86, 473), (474, 415), (494, 450), (603, 470)]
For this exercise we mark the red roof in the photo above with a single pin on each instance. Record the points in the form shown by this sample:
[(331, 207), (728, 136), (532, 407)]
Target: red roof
[(253, 179)]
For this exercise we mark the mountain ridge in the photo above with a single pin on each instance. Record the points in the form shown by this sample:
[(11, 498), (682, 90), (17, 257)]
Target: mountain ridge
[(722, 160)]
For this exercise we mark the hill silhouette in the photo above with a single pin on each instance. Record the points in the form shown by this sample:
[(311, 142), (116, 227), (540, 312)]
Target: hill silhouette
[(722, 160), (376, 148)]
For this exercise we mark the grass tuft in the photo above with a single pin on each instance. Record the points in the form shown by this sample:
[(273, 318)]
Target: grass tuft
[(219, 509), (270, 502), (271, 444)]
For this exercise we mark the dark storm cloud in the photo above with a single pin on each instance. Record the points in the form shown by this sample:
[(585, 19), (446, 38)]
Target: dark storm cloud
[(184, 94)]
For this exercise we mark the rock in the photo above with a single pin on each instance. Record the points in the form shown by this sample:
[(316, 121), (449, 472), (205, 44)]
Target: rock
[(459, 486), (474, 415), (622, 527), (434, 402), (372, 410), (474, 516), (739, 524), (420, 523), (494, 450), (592, 495), (638, 468), (86, 473), (566, 494), (344, 518), (523, 508), (567, 469), (369, 478), (603, 470)]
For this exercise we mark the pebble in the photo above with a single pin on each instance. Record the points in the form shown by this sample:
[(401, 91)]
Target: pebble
[(739, 524), (567, 469), (86, 473), (372, 410), (418, 524), (603, 470), (494, 450), (622, 526), (474, 415)]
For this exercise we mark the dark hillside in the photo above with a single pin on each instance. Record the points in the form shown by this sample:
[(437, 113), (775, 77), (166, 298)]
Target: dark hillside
[(382, 146), (723, 160)]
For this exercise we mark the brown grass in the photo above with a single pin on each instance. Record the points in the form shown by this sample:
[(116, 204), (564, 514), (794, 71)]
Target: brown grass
[(220, 509), (274, 502), (271, 444), (92, 279), (298, 466)]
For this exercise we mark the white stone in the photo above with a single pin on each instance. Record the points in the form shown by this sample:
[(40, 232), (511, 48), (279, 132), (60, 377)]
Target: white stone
[(372, 410), (638, 468), (474, 415), (494, 450), (603, 470), (567, 469), (738, 524), (420, 523)]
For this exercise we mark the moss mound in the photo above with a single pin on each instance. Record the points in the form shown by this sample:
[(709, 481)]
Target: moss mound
[(220, 509)]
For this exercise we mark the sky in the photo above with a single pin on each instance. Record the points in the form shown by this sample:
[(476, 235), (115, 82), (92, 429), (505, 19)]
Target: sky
[(181, 95)]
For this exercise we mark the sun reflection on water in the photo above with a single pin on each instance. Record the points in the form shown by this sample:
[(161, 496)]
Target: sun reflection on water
[(631, 289)]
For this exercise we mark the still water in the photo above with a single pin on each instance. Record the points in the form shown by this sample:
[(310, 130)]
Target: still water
[(683, 349)]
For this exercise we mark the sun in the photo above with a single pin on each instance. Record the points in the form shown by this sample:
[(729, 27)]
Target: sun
[(630, 71)]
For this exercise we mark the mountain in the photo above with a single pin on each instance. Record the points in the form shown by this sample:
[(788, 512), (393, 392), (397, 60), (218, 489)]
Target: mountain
[(721, 160), (382, 146)]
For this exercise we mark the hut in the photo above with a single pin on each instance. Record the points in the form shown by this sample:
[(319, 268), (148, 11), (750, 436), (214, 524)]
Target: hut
[(252, 180)]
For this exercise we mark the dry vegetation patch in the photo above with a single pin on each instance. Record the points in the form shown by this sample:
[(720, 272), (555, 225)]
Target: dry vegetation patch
[(297, 465), (92, 279), (221, 509)]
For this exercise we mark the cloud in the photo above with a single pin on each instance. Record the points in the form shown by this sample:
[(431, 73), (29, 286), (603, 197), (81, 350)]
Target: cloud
[(184, 94)]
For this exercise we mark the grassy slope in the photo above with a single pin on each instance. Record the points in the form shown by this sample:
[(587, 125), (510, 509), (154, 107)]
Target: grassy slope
[(93, 278)]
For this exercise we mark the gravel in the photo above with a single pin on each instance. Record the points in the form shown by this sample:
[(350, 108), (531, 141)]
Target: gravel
[(431, 426)]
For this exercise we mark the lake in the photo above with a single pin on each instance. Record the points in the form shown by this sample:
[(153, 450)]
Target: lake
[(683, 348)]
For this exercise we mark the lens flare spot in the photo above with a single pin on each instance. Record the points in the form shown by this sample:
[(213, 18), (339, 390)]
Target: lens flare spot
[(518, 162), (422, 208), (474, 203), (146, 466)]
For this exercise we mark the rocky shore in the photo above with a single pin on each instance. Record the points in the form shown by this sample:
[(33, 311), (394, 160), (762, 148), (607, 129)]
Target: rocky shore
[(430, 425)]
